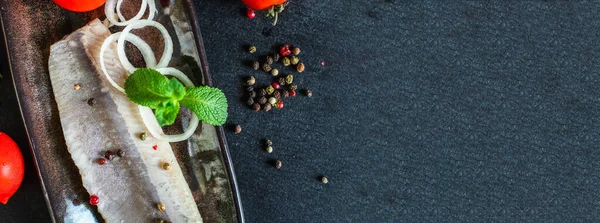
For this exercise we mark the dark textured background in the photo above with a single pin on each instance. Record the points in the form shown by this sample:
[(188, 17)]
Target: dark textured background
[(427, 111)]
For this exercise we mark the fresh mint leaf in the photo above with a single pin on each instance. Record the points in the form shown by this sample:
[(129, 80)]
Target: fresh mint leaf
[(209, 104), (148, 87), (166, 112)]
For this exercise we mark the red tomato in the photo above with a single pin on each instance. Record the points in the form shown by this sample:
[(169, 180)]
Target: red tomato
[(12, 167), (262, 4), (80, 5)]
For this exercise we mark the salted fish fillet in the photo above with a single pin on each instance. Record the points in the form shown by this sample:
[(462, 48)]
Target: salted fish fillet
[(131, 187)]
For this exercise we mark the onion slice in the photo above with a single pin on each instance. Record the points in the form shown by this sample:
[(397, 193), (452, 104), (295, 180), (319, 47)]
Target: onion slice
[(144, 48), (149, 118), (167, 51), (109, 10)]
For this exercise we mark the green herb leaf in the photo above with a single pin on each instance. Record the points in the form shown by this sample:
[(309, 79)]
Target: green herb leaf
[(166, 112), (209, 104), (148, 87)]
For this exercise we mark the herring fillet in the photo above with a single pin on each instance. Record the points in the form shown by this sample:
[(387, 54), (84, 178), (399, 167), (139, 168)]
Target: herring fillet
[(123, 186), (133, 196), (171, 185)]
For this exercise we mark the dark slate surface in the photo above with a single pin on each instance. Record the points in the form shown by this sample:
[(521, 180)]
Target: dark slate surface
[(426, 111)]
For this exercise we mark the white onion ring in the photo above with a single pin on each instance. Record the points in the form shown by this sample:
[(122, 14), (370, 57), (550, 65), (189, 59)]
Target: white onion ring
[(149, 118), (144, 48), (109, 10), (167, 51)]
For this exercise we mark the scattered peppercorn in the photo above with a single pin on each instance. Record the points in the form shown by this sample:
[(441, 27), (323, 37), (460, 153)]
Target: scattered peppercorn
[(238, 129), (166, 166), (276, 85), (278, 164), (269, 60), (262, 100), (101, 161), (251, 14), (293, 93), (300, 67), (274, 72), (160, 207), (322, 63), (281, 81), (267, 107), (250, 102), (286, 61), (289, 79), (94, 200), (296, 51), (255, 65), (252, 94), (285, 93), (268, 142), (109, 155), (155, 147), (266, 67), (262, 92), (324, 179), (76, 87), (91, 102), (121, 153), (256, 107), (269, 149), (272, 100), (280, 105), (270, 89), (143, 136), (308, 93), (293, 87), (250, 88), (277, 94), (276, 57), (252, 49), (251, 80), (284, 51), (294, 60)]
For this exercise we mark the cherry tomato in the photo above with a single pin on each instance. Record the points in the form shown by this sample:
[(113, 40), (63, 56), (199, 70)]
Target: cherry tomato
[(262, 4), (12, 167), (80, 5)]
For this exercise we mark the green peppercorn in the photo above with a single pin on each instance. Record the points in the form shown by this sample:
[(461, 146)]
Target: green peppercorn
[(274, 72), (269, 149), (252, 49), (289, 79), (256, 65), (294, 60), (300, 67), (286, 61), (324, 179), (296, 51), (269, 60), (270, 89), (267, 67), (166, 166), (272, 100), (143, 136)]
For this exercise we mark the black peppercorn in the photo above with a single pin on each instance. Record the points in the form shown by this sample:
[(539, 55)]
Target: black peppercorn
[(266, 67), (256, 65), (256, 107), (250, 101), (296, 51), (262, 100), (276, 57), (238, 129), (278, 164), (285, 93), (250, 88), (267, 107), (277, 94), (293, 87), (252, 94), (300, 67), (91, 102), (281, 81), (121, 153), (308, 93), (268, 142), (109, 155), (269, 60), (262, 92)]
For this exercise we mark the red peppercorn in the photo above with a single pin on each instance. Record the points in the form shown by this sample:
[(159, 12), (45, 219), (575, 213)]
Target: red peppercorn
[(276, 85), (285, 50), (280, 104), (250, 13), (292, 93), (155, 147), (101, 161), (94, 200), (322, 63)]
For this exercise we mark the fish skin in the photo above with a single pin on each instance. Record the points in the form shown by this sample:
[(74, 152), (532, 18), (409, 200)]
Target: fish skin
[(156, 185)]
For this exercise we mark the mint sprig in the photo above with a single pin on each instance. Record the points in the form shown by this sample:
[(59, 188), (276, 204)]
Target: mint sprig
[(148, 87)]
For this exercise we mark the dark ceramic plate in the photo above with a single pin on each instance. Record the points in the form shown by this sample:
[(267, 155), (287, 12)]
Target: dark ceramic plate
[(30, 27)]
